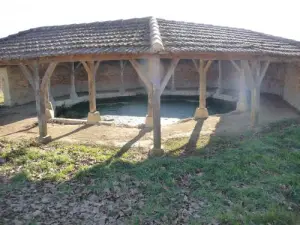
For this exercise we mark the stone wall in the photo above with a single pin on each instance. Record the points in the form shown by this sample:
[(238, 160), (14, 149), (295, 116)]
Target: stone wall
[(291, 92), (108, 78)]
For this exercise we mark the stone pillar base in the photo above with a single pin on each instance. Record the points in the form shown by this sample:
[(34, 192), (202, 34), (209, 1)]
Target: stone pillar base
[(49, 114), (93, 117), (201, 113), (154, 152), (149, 121), (241, 106), (44, 140)]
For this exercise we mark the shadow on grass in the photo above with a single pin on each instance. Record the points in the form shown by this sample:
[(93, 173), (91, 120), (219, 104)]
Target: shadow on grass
[(224, 189), (129, 144)]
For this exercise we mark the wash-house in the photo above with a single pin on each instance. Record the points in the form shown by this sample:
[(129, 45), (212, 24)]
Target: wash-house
[(82, 62)]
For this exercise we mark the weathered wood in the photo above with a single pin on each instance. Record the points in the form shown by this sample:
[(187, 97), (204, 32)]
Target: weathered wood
[(256, 73), (173, 88), (220, 78), (255, 101), (202, 85), (28, 74), (236, 66), (122, 68), (92, 87), (263, 71), (196, 64), (205, 56), (207, 66), (40, 103), (73, 94), (167, 77), (142, 74), (154, 70)]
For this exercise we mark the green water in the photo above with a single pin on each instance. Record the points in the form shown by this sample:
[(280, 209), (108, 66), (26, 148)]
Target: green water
[(133, 109)]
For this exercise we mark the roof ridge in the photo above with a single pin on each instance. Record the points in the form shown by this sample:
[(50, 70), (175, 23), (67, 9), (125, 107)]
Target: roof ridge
[(155, 37)]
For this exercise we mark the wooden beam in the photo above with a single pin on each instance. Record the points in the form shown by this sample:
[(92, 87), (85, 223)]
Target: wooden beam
[(48, 75), (166, 55), (208, 64), (86, 67), (196, 64), (167, 77), (142, 74), (236, 66), (28, 74), (263, 71)]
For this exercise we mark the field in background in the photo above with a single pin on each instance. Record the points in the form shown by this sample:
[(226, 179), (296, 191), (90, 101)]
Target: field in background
[(250, 179)]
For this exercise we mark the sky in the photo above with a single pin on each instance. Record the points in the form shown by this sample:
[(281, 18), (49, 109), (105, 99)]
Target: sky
[(277, 17)]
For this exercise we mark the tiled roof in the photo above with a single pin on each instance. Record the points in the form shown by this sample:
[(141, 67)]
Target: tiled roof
[(142, 35)]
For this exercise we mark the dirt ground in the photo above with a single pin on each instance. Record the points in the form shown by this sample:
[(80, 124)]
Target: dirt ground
[(20, 122)]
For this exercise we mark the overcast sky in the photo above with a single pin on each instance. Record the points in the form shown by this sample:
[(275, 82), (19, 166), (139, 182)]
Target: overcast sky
[(275, 17)]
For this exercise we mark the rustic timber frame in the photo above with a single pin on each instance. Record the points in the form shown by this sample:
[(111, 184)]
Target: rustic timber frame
[(113, 40)]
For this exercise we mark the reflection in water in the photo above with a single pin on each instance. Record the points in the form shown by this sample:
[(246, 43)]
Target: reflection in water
[(132, 110)]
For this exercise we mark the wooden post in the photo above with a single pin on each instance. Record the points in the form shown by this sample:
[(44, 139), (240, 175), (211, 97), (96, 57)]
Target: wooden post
[(220, 88), (202, 112), (242, 104), (91, 69), (154, 72), (173, 88), (122, 67), (73, 94), (40, 104), (254, 76), (92, 87)]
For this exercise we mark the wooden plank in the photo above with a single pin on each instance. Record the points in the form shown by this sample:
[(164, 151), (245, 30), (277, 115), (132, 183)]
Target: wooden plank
[(167, 77), (142, 74), (27, 73)]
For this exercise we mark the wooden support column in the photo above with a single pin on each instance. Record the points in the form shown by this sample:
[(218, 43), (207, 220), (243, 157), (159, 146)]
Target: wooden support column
[(173, 87), (201, 111), (73, 93), (41, 96), (154, 72), (122, 68), (91, 69), (255, 73), (147, 78), (220, 78), (242, 104)]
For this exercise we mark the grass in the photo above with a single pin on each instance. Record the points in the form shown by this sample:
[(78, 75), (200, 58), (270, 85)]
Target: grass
[(250, 179)]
